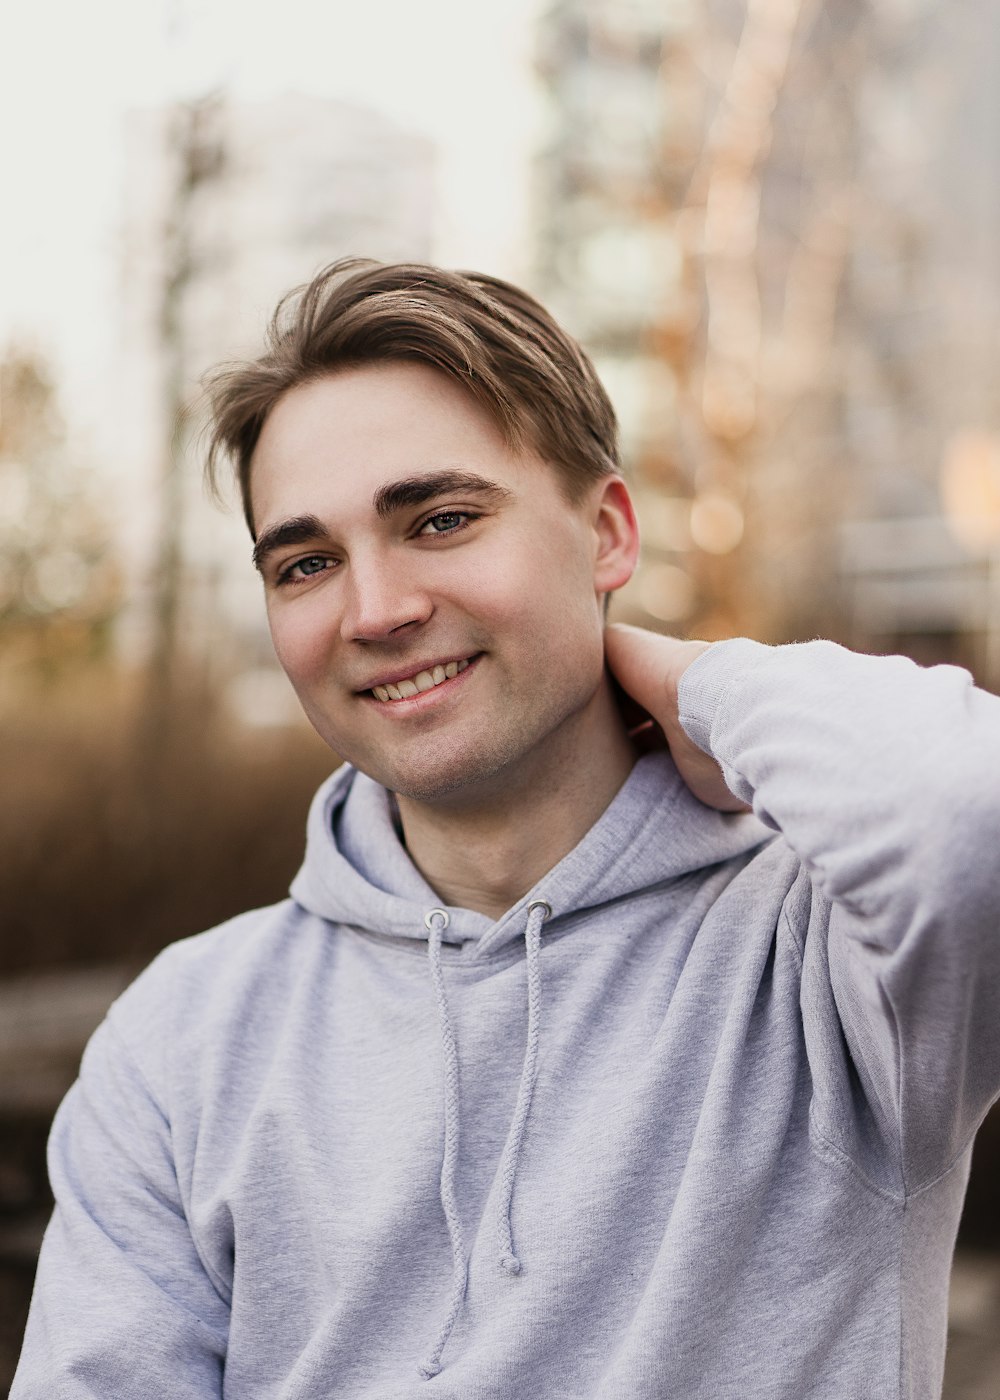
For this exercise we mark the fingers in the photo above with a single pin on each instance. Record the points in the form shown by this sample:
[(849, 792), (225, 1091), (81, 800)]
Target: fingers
[(648, 666)]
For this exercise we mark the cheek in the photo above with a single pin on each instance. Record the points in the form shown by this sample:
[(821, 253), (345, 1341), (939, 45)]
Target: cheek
[(300, 641), (547, 601), (547, 573)]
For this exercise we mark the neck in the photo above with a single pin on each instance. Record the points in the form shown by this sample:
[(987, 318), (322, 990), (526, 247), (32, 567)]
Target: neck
[(486, 854)]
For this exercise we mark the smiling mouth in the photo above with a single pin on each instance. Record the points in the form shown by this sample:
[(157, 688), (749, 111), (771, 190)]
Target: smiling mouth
[(420, 682)]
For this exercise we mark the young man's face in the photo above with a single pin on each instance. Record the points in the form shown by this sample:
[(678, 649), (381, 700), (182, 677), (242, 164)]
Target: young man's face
[(401, 544)]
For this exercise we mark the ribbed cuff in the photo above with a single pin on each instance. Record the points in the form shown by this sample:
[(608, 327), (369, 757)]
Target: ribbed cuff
[(711, 682)]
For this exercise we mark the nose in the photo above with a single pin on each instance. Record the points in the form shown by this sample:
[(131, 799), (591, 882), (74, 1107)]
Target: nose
[(381, 599)]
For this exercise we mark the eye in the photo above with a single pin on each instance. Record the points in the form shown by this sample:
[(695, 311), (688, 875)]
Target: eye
[(446, 522), (305, 568)]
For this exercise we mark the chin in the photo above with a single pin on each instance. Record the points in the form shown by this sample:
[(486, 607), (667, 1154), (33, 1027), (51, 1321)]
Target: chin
[(470, 774), (452, 782)]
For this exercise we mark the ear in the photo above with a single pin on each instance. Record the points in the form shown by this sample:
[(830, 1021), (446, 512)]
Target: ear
[(616, 533)]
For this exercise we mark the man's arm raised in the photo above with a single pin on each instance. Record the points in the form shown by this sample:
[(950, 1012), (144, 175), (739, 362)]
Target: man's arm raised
[(883, 777)]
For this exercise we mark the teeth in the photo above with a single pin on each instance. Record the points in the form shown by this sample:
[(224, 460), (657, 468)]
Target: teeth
[(422, 681)]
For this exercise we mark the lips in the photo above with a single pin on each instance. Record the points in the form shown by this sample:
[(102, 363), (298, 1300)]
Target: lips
[(419, 682)]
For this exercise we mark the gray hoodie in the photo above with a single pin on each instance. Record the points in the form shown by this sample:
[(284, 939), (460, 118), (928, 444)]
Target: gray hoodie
[(692, 1120)]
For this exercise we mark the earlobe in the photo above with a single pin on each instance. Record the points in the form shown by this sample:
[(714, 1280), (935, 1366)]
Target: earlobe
[(617, 534)]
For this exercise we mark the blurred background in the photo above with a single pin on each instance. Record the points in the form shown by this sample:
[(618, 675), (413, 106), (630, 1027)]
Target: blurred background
[(773, 223)]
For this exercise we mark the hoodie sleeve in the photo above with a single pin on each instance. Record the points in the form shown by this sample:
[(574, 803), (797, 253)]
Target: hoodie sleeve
[(123, 1306), (884, 779)]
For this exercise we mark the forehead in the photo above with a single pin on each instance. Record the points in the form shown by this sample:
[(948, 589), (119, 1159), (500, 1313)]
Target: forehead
[(339, 438)]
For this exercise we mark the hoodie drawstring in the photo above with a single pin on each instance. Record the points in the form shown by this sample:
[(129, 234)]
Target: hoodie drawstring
[(538, 912), (436, 922)]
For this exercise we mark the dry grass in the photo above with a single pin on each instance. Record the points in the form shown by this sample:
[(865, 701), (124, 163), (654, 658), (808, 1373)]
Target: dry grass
[(111, 849)]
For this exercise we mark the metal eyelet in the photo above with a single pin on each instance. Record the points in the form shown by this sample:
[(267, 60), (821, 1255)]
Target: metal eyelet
[(541, 904), (433, 914)]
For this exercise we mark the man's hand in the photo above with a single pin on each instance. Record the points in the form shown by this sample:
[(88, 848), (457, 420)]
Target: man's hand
[(648, 667)]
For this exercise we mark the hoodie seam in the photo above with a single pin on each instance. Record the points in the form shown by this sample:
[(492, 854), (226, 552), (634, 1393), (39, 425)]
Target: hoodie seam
[(827, 1149)]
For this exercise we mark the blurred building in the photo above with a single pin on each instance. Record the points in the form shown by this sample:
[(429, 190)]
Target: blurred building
[(227, 206), (918, 565), (775, 227), (607, 257), (617, 247)]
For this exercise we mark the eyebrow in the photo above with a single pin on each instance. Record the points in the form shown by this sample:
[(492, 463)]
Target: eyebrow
[(301, 529), (396, 495), (415, 490)]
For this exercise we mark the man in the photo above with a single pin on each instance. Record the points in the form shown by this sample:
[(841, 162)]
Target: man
[(561, 1074)]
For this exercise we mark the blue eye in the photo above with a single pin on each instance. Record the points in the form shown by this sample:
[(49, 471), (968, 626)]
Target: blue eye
[(305, 568), (446, 522)]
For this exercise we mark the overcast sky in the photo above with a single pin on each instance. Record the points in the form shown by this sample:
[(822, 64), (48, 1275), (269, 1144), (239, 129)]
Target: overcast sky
[(455, 70)]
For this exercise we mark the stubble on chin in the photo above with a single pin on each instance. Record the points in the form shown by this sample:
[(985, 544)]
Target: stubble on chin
[(451, 776), (502, 766)]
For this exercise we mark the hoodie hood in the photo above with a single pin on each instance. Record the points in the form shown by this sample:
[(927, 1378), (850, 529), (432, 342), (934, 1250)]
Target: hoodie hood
[(357, 871)]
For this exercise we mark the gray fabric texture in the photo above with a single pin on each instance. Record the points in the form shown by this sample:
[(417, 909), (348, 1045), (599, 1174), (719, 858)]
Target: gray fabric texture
[(763, 1046)]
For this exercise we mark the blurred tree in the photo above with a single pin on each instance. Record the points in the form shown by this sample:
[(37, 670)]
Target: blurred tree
[(196, 159), (59, 583), (785, 268)]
